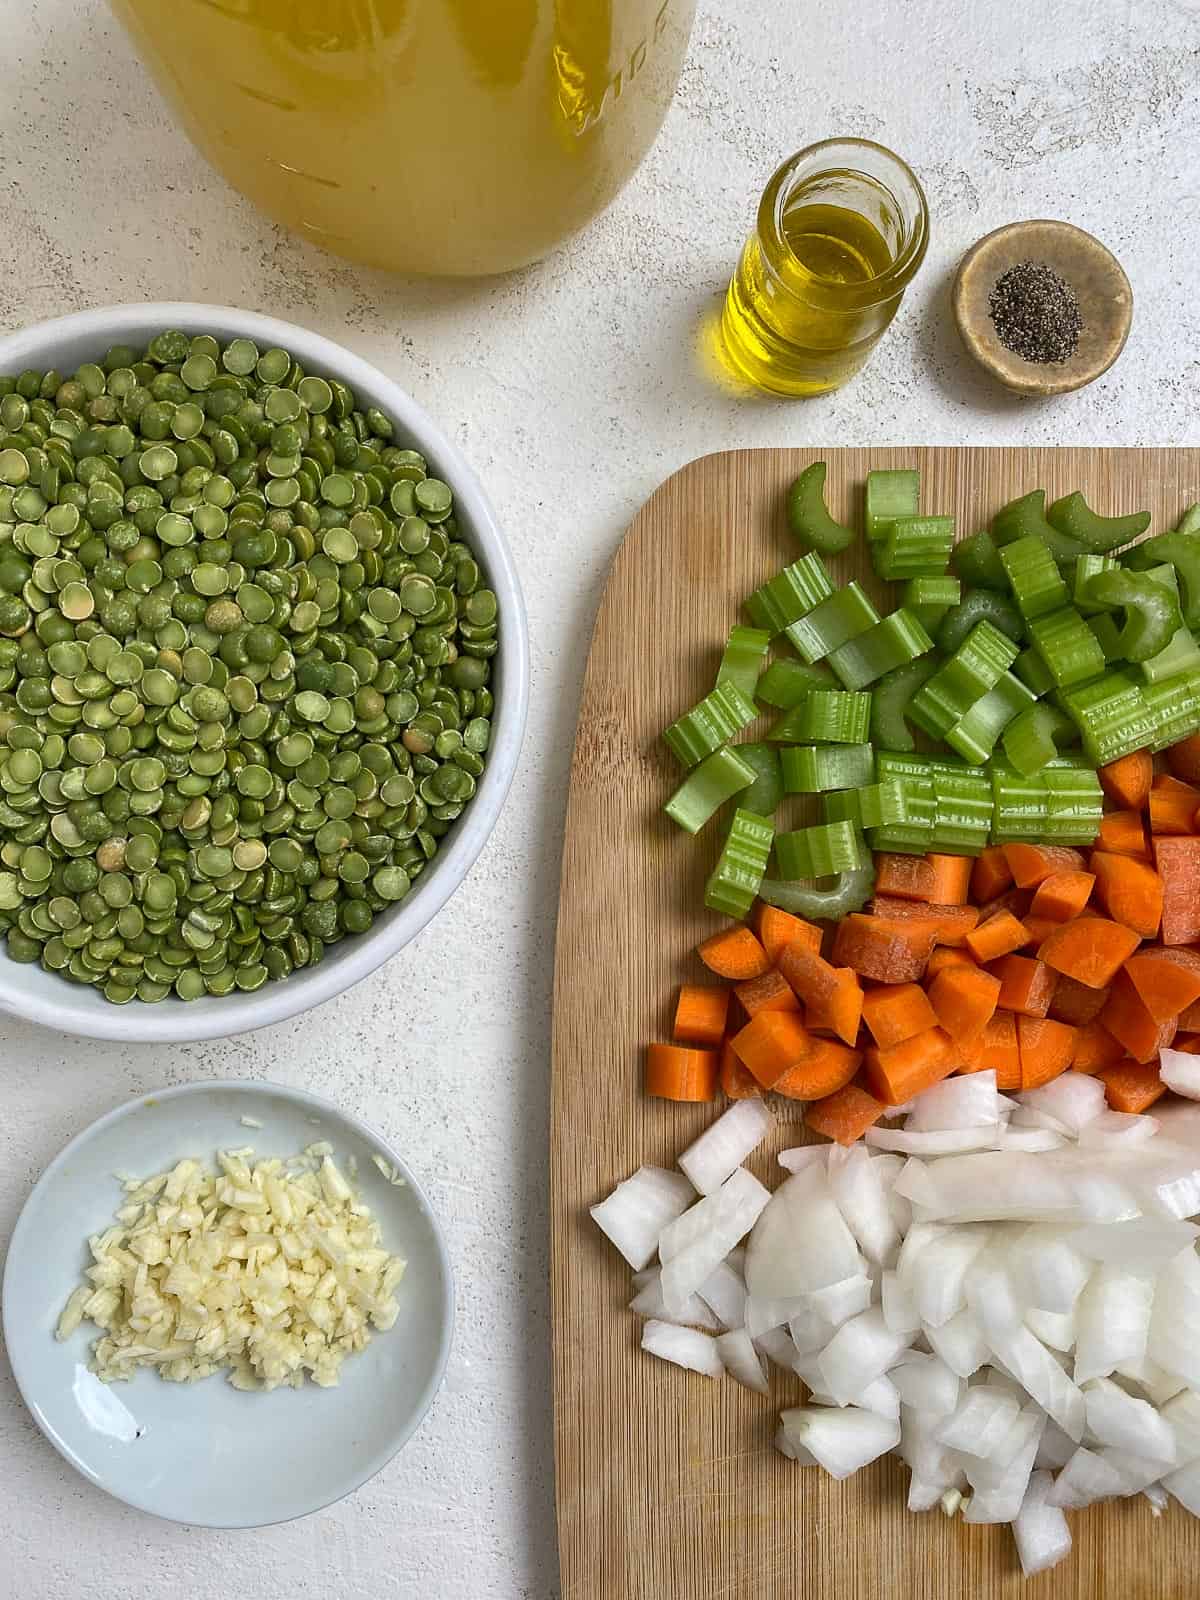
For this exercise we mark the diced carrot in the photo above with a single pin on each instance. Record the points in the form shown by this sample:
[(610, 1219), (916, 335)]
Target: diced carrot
[(1189, 1021), (1122, 833), (777, 929), (846, 1115), (734, 953), (1178, 863), (1016, 901), (948, 956), (1128, 1019), (1045, 1048), (888, 949), (1031, 863), (771, 992), (1075, 1002), (832, 996), (951, 879), (1172, 805), (1090, 949), (1184, 758), (896, 1011), (951, 923), (827, 1067), (770, 1043), (678, 1072), (903, 1070), (963, 998), (1168, 980), (1132, 1086), (996, 1050), (1095, 1047), (700, 1014), (738, 1082), (1026, 984), (1127, 781), (1062, 895), (1190, 1046), (906, 877), (990, 875), (1038, 929), (996, 937), (1129, 890)]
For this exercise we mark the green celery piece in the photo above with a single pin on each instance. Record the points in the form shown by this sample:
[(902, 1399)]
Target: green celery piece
[(1087, 567), (820, 851), (1106, 634), (707, 787), (874, 806), (828, 716), (977, 562), (733, 883), (914, 547), (891, 643), (849, 892), (975, 666), (1068, 646), (1074, 802), (1026, 518), (912, 832), (1018, 805), (1174, 704), (808, 516), (963, 810), (765, 794), (975, 606), (1189, 522), (1032, 738), (1036, 582), (743, 658), (843, 616), (1033, 671), (1182, 550), (1152, 613), (1112, 715), (841, 805), (932, 590), (974, 735), (811, 769), (890, 701), (785, 683), (790, 595), (891, 493), (710, 723), (1074, 519)]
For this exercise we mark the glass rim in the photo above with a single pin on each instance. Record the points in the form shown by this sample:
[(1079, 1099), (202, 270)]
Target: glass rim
[(892, 281)]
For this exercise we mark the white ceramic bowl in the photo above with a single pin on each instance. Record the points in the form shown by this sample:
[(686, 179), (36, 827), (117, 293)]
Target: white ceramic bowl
[(39, 996), (206, 1453)]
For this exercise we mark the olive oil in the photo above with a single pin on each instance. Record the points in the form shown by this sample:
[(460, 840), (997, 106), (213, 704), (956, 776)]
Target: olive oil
[(823, 274)]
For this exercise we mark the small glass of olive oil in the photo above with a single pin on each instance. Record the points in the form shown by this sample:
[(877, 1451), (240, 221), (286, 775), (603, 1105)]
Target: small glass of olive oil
[(842, 229)]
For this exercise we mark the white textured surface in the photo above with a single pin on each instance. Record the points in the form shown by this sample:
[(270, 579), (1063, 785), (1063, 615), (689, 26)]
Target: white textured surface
[(574, 389)]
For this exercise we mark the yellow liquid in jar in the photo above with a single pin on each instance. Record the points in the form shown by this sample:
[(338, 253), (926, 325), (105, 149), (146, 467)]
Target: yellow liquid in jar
[(798, 318), (431, 136)]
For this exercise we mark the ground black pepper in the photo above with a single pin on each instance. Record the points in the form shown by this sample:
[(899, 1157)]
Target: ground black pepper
[(1035, 313)]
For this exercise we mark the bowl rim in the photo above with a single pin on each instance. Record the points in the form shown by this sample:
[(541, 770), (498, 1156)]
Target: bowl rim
[(238, 1086), (215, 1017)]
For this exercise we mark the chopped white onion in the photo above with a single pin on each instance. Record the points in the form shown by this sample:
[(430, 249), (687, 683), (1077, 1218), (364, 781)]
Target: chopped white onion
[(882, 1398), (926, 1384), (763, 1315), (841, 1440), (742, 1360), (939, 1271), (649, 1302), (1173, 1341), (1113, 1323), (857, 1185), (638, 1210), (959, 1343), (1056, 1448), (859, 1352), (899, 1311), (1182, 1415), (1086, 1478), (969, 1101), (1118, 1419), (730, 1213), (1143, 1245), (1030, 1141), (1039, 1373), (801, 1241), (684, 1346), (721, 1148), (804, 1155), (1117, 1130), (935, 1142), (983, 1417), (1073, 1100), (724, 1292), (1053, 1271), (1054, 1328), (1184, 1484), (777, 1347), (1043, 1538), (838, 1302), (1000, 1484), (808, 1329), (1180, 1070), (990, 1294)]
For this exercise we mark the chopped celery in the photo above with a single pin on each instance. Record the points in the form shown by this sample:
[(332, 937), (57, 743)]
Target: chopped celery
[(742, 661), (1174, 705), (785, 683), (707, 787), (891, 643), (934, 590), (1018, 805), (963, 810), (850, 892), (1106, 634), (978, 563), (1182, 550), (827, 716), (1087, 567), (890, 701), (1031, 739), (974, 735), (733, 883), (975, 605), (790, 595), (914, 547), (843, 616), (765, 794), (874, 806), (811, 769), (1067, 645), (1036, 583), (1074, 802), (891, 493), (1180, 654), (808, 516), (1026, 518), (1151, 609), (1189, 522), (1074, 519), (913, 830), (711, 723), (820, 851), (1033, 671), (975, 666)]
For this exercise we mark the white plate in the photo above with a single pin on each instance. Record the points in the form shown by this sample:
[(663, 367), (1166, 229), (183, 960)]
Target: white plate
[(206, 1453)]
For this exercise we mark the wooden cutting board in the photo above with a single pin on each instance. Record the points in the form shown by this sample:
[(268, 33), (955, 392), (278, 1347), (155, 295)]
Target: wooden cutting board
[(668, 1488)]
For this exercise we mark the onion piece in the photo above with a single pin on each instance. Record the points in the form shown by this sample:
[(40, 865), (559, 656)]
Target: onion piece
[(724, 1292), (728, 1215), (809, 1330), (882, 1398), (796, 1453), (1143, 1245), (684, 1346), (1056, 1448), (915, 1184), (969, 1101), (1113, 1323), (927, 1385), (935, 1142), (1073, 1100), (1184, 1484), (1086, 1478), (1000, 1484), (1118, 1419), (1039, 1374), (838, 1302), (990, 1294), (1053, 1272), (1117, 1130), (939, 1272), (1173, 1343), (859, 1352), (857, 1185), (1029, 1141), (742, 1360), (1137, 1472), (649, 1302), (721, 1148), (960, 1344), (982, 1419), (800, 1242), (1182, 1415), (841, 1440), (1040, 1529), (1054, 1328), (763, 1315), (1180, 1071), (777, 1347), (899, 1311), (804, 1155), (637, 1211)]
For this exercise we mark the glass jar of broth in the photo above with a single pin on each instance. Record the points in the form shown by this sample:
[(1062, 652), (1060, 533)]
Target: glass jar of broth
[(842, 229), (431, 136)]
